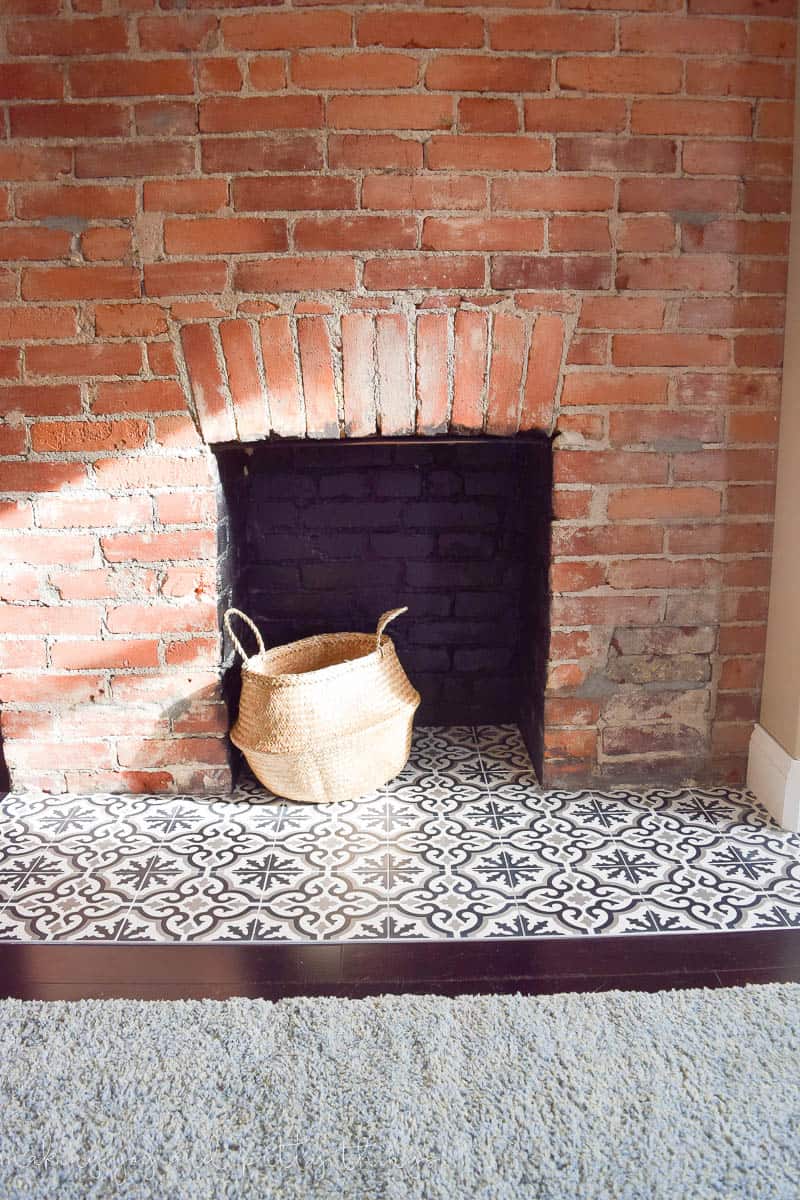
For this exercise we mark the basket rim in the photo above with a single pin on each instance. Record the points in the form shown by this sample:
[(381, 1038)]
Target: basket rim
[(301, 678)]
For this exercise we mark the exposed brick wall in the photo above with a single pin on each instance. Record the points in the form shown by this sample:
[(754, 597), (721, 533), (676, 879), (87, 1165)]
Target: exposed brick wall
[(625, 169)]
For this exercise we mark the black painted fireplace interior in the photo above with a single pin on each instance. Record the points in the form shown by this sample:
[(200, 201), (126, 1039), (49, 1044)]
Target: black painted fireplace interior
[(323, 537)]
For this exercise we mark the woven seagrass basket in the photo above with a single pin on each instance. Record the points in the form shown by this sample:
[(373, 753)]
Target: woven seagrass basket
[(326, 718)]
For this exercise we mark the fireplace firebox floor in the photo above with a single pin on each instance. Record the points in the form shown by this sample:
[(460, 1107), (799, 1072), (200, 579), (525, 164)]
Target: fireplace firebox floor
[(463, 845)]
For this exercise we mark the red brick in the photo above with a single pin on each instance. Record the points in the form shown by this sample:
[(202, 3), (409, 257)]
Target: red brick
[(681, 35), (646, 233), (488, 116), (47, 548), (588, 388), (185, 195), (738, 674), (743, 537), (751, 499), (763, 275), (153, 77), (286, 31), (606, 610), (476, 152), (626, 75), (662, 427), (184, 278), (571, 115), (396, 402), (61, 200), (65, 38), (15, 514), (31, 323), (487, 73), (609, 466), (283, 387), (505, 375), (319, 387), (685, 195), (704, 390), (64, 512), (9, 363), (121, 359), (470, 353), (669, 349), (184, 31), (161, 618), (767, 196), (293, 192), (186, 508), (31, 81), (753, 427), (758, 350), (742, 237), (279, 153), (579, 233), (742, 78), (298, 274), (159, 547), (380, 150), (12, 441), (360, 71), (480, 233), (129, 320), (593, 540), (616, 154), (191, 651), (592, 273), (422, 30), (79, 283), (224, 235), (62, 400), (390, 112), (771, 39), (35, 162), (163, 395), (709, 273), (543, 371), (424, 271), (100, 655), (569, 743), (22, 243), (415, 193), (20, 655), (553, 194), (570, 504), (358, 379), (355, 233), (208, 386), (663, 503), (622, 312), (105, 245), (68, 120), (230, 115), (90, 436), (747, 312), (128, 160), (691, 117), (576, 577), (738, 158), (589, 350), (551, 31), (432, 373), (161, 358), (166, 118), (247, 392), (224, 75)]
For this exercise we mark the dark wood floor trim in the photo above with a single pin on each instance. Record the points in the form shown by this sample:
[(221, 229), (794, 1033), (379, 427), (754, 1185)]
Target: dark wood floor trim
[(534, 966)]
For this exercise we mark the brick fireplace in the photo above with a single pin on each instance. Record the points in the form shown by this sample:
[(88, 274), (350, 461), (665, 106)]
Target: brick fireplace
[(325, 222)]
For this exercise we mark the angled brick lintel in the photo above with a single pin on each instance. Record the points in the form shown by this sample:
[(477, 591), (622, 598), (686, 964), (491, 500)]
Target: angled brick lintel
[(406, 368)]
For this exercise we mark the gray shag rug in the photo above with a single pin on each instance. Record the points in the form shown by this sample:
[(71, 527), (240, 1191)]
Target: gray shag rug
[(621, 1095)]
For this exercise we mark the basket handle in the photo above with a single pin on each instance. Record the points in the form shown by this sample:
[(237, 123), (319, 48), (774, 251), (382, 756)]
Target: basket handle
[(384, 620), (235, 612)]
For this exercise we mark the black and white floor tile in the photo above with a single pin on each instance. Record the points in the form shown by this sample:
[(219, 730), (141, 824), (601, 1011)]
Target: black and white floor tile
[(463, 844)]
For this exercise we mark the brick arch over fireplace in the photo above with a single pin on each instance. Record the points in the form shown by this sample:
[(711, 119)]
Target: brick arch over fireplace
[(326, 372)]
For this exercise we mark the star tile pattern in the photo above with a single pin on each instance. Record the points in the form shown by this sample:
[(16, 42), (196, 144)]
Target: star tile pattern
[(463, 844)]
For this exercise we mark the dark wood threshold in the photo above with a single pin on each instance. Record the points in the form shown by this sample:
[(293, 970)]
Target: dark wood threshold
[(534, 966)]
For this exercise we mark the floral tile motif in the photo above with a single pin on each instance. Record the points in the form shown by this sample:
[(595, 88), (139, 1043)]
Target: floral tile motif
[(464, 843)]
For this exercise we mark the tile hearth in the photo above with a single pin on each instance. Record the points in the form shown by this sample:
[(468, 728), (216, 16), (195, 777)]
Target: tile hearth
[(464, 844)]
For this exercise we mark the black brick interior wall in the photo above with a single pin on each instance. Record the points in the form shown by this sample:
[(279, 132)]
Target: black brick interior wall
[(325, 537)]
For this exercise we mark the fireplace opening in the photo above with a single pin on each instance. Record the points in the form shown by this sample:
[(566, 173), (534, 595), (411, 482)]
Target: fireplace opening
[(324, 537)]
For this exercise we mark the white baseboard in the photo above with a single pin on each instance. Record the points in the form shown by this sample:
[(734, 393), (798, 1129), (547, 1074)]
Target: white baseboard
[(774, 776)]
